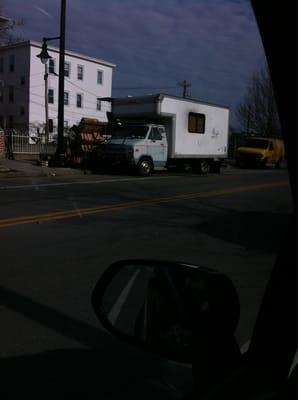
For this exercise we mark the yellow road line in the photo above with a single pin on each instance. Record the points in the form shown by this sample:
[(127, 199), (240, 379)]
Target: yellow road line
[(30, 219)]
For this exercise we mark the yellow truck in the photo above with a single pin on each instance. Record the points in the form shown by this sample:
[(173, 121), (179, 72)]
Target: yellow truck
[(261, 152)]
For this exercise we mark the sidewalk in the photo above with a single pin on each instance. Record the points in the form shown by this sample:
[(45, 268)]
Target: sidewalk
[(16, 168), (29, 168)]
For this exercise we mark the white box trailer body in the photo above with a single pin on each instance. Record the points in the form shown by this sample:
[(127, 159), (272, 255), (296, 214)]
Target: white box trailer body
[(178, 115)]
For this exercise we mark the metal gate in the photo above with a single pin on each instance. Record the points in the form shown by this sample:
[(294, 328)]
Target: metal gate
[(24, 143)]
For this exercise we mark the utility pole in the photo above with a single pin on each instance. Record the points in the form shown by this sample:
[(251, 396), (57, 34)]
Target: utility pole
[(60, 142), (185, 85), (44, 57), (46, 102)]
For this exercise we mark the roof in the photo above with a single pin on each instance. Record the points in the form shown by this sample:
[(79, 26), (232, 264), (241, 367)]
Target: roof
[(159, 96), (56, 49)]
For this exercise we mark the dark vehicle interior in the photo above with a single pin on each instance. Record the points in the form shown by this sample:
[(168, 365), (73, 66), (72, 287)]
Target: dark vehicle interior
[(263, 371)]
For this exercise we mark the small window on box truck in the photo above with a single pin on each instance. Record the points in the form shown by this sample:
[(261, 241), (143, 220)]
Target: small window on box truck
[(196, 122)]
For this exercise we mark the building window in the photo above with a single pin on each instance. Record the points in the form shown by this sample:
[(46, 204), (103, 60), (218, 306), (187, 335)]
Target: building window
[(1, 122), (99, 77), (22, 80), (1, 94), (67, 69), (51, 65), (51, 96), (11, 63), (79, 100), (65, 125), (22, 110), (80, 72), (51, 126), (66, 98), (1, 64), (98, 104), (11, 94), (196, 122)]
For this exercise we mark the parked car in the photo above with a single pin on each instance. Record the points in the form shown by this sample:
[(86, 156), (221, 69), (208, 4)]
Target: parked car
[(262, 152)]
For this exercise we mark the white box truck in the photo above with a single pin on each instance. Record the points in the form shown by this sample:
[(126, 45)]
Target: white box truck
[(163, 131)]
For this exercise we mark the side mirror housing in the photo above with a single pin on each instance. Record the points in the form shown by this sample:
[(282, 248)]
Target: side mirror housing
[(165, 307)]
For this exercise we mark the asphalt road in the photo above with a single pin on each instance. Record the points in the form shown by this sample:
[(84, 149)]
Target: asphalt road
[(59, 234)]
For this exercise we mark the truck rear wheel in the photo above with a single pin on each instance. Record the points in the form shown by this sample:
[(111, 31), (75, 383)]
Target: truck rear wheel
[(145, 167), (278, 164), (204, 167)]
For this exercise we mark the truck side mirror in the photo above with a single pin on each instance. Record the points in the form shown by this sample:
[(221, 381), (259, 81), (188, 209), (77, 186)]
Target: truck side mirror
[(171, 309)]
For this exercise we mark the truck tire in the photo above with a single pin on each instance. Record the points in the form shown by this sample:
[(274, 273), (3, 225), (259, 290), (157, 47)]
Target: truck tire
[(278, 164), (145, 167), (204, 167), (264, 163), (187, 168)]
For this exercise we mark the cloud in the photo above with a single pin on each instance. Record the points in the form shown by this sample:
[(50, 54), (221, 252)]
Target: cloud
[(44, 12)]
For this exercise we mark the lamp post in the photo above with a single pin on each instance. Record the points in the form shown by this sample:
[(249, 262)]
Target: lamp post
[(60, 152), (44, 57), (46, 102)]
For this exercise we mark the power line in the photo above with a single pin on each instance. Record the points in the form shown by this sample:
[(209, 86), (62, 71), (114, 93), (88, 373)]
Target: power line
[(145, 88), (84, 90), (103, 108)]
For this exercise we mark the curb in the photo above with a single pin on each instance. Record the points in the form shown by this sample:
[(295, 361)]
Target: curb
[(45, 174)]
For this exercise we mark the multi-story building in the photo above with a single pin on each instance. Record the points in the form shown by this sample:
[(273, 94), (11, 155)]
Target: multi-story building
[(22, 87)]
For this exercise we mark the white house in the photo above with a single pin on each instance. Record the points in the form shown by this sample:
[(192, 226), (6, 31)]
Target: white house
[(22, 87)]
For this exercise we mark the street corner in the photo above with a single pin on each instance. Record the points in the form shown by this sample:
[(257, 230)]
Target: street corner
[(62, 171), (6, 172), (20, 168)]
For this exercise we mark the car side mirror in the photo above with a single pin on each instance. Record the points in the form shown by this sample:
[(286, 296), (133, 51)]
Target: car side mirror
[(166, 307)]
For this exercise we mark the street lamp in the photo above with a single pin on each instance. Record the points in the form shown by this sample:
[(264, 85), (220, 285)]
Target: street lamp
[(44, 57)]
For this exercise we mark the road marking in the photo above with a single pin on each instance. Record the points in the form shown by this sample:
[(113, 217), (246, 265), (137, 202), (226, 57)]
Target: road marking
[(30, 219), (93, 182), (117, 307), (245, 347), (294, 362)]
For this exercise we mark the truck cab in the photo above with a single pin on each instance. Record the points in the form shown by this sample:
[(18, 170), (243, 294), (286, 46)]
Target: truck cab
[(143, 146)]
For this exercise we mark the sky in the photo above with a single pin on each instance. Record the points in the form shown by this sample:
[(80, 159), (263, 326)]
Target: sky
[(213, 44)]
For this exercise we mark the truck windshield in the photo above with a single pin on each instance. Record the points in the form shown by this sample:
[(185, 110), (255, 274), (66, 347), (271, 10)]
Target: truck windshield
[(130, 132), (256, 143)]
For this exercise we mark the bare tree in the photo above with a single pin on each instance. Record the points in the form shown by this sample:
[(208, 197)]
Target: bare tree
[(258, 112), (7, 27)]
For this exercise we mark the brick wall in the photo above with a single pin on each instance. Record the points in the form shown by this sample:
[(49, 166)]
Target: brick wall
[(2, 145)]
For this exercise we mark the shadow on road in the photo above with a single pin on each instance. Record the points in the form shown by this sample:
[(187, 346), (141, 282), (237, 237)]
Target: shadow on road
[(105, 366), (253, 230)]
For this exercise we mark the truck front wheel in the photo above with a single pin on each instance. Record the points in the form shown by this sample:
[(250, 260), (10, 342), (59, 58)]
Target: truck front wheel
[(145, 167)]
